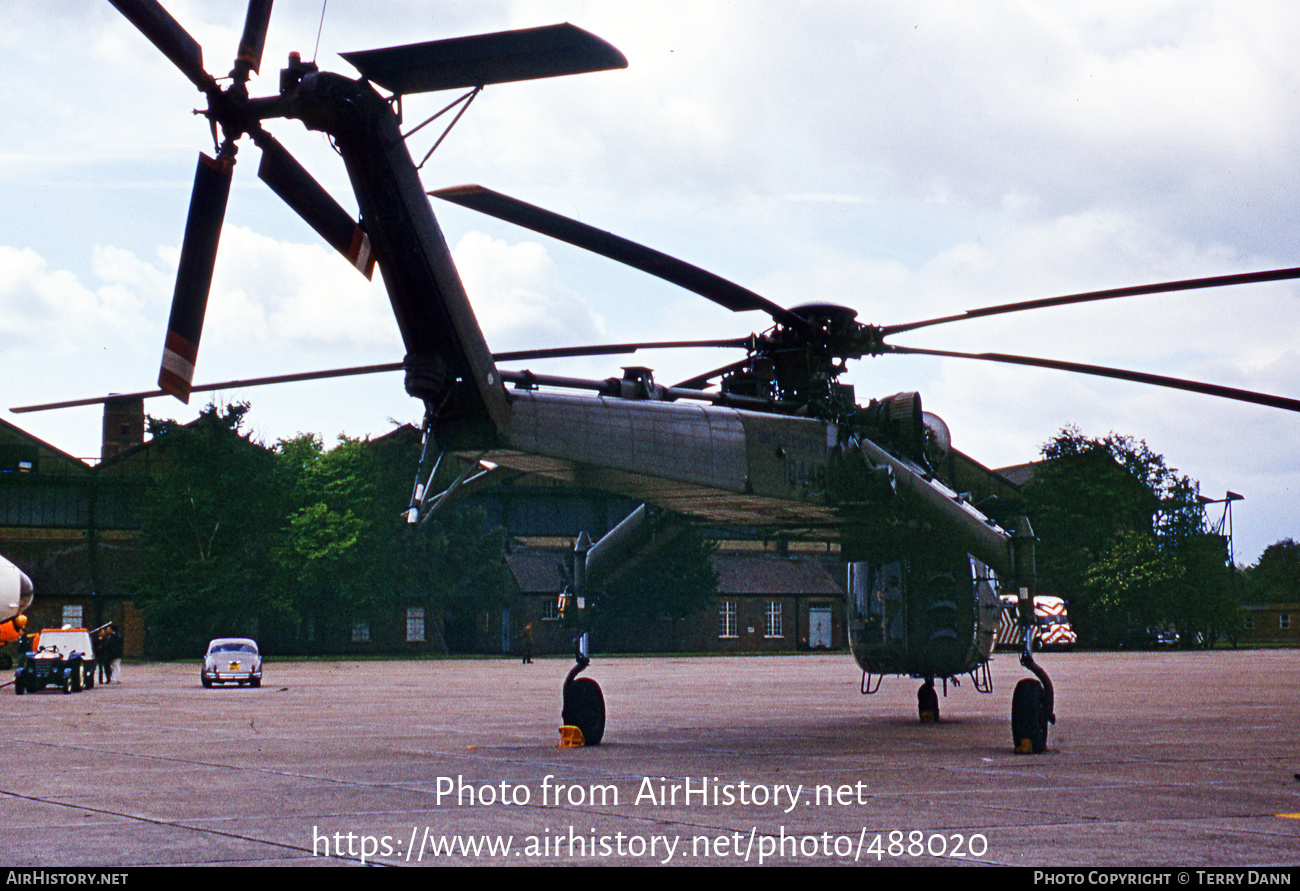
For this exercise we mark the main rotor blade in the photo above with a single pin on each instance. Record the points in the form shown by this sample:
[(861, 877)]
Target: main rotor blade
[(1217, 281), (692, 278), (223, 385), (254, 37), (614, 349), (1118, 374), (166, 33), (463, 62), (350, 372), (299, 189), (194, 275)]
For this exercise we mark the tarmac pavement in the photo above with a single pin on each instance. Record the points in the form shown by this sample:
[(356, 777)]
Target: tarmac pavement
[(1157, 759)]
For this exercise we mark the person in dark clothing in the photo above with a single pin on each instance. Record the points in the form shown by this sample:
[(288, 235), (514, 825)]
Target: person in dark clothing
[(109, 651), (97, 645), (526, 643)]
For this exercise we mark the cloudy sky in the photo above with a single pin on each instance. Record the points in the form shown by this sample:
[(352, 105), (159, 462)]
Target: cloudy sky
[(907, 159)]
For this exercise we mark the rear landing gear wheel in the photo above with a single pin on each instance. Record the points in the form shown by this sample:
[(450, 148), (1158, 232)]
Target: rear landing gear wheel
[(1029, 717), (584, 708), (927, 703)]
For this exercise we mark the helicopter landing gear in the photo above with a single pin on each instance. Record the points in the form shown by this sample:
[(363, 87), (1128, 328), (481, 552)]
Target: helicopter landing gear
[(584, 704), (1029, 718), (927, 702), (1032, 708)]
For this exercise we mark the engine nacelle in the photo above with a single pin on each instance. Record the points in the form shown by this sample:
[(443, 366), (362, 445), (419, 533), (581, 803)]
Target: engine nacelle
[(15, 590)]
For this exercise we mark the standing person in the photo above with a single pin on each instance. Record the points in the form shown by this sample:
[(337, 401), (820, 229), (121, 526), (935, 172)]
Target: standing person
[(101, 661), (112, 653), (526, 644)]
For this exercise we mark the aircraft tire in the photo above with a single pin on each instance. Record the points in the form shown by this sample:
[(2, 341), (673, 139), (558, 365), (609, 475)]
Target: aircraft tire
[(927, 704), (584, 708), (20, 687), (1028, 717)]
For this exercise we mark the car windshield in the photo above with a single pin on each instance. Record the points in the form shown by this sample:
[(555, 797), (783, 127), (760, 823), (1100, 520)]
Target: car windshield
[(233, 648), (65, 640)]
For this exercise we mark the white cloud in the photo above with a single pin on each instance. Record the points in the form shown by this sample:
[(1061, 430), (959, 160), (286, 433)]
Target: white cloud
[(519, 298)]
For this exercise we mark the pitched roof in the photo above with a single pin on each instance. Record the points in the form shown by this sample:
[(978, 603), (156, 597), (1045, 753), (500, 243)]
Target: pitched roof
[(772, 574), (539, 571)]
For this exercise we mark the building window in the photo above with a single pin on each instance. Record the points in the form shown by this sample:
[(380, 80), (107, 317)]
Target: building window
[(72, 615), (361, 632), (727, 618), (1284, 621), (550, 609), (1249, 623), (772, 620), (415, 624)]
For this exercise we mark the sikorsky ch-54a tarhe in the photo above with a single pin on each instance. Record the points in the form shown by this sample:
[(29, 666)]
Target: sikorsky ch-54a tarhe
[(773, 441)]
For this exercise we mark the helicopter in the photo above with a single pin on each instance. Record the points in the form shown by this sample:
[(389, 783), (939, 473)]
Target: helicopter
[(773, 441)]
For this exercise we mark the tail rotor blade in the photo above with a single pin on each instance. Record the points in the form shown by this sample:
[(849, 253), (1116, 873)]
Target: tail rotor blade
[(166, 33), (462, 62), (299, 190), (194, 276), (254, 38)]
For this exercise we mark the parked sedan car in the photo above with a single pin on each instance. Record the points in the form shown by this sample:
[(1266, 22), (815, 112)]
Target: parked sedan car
[(232, 660)]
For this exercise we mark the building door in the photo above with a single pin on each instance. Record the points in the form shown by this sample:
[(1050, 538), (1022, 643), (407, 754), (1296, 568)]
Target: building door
[(819, 627)]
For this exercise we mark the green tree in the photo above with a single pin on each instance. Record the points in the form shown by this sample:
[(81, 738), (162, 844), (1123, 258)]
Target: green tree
[(1207, 602), (1131, 585), (1080, 499), (210, 524), (1121, 536), (353, 556), (342, 545), (1275, 577)]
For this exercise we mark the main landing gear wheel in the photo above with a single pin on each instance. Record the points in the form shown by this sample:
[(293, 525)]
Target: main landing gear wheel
[(1029, 717), (927, 703), (584, 708), (584, 704)]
